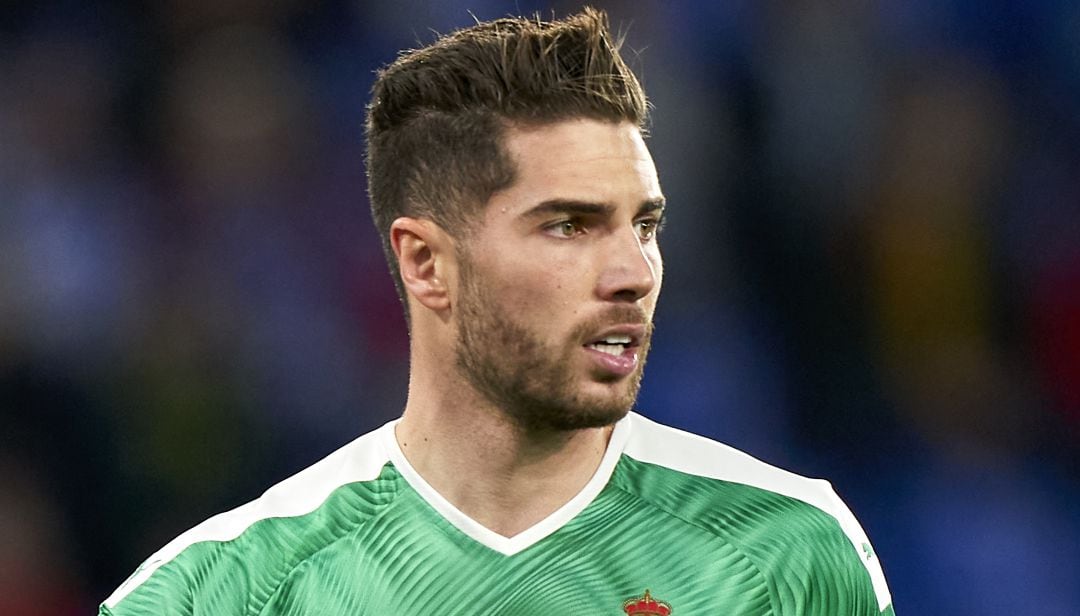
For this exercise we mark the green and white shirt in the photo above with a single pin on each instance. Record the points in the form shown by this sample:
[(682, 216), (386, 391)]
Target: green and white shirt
[(670, 523)]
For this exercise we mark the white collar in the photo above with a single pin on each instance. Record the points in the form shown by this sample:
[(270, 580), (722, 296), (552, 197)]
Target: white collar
[(526, 538)]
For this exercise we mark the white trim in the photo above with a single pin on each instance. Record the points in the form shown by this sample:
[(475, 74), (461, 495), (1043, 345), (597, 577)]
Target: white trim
[(695, 455), (636, 436), (509, 546), (360, 460)]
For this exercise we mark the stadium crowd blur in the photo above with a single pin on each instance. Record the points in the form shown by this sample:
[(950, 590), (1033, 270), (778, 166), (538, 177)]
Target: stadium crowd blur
[(873, 269)]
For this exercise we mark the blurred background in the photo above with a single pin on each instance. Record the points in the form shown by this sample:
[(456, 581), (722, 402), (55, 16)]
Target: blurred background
[(873, 268)]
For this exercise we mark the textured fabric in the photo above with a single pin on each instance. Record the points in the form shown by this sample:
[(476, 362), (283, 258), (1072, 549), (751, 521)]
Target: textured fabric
[(698, 544)]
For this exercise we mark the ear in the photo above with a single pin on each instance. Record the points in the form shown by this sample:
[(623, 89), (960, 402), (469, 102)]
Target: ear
[(424, 253)]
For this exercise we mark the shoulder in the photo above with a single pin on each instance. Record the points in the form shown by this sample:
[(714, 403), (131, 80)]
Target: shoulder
[(697, 456), (767, 509), (264, 538)]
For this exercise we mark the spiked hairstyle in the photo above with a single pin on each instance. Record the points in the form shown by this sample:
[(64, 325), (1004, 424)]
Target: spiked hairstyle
[(438, 114)]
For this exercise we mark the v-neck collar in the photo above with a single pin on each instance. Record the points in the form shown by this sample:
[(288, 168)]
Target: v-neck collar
[(530, 536)]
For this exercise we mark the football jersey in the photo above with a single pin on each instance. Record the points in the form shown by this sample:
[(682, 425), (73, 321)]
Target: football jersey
[(670, 523)]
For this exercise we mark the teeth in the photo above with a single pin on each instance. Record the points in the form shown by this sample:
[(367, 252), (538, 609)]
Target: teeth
[(617, 340), (610, 349)]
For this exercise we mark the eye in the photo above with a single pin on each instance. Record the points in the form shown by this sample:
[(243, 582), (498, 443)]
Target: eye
[(565, 228), (647, 228)]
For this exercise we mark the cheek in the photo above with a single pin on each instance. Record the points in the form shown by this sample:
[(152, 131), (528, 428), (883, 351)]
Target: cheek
[(544, 291)]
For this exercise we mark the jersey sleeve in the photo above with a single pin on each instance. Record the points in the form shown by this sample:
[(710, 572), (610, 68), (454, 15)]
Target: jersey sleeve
[(207, 578), (829, 567), (826, 577), (865, 553)]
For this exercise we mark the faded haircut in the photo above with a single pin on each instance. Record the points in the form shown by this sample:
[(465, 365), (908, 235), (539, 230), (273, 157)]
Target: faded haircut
[(438, 115)]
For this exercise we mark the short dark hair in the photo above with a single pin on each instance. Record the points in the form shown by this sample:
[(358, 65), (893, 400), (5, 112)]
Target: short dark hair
[(437, 116)]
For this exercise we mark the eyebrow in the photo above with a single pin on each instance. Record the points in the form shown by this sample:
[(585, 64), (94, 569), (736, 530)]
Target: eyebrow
[(583, 208)]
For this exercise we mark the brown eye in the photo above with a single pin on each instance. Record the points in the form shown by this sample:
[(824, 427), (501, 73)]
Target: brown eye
[(565, 229), (646, 229)]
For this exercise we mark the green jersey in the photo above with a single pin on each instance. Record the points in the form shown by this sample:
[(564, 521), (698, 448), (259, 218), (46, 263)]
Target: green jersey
[(671, 523)]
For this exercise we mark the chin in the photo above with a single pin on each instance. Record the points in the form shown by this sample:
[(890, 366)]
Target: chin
[(597, 412)]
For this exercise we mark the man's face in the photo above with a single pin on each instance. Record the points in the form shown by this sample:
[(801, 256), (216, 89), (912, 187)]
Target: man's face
[(559, 282)]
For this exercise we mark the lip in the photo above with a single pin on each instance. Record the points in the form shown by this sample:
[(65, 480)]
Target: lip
[(623, 365)]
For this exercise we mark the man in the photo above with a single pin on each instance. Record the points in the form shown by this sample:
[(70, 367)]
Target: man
[(519, 208)]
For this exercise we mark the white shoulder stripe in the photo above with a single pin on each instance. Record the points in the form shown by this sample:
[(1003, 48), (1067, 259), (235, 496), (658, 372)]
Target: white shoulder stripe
[(695, 455), (360, 460)]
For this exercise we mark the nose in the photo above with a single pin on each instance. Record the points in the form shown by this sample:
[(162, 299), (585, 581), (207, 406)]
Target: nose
[(630, 269)]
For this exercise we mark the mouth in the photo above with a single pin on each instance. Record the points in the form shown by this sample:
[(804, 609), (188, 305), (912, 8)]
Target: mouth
[(614, 345), (615, 350)]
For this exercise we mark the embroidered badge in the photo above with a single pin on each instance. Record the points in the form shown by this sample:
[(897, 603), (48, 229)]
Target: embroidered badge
[(646, 606)]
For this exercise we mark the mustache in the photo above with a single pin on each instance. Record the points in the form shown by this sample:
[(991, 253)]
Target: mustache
[(615, 315)]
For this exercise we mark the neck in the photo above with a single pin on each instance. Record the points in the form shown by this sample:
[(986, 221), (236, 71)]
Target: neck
[(499, 474)]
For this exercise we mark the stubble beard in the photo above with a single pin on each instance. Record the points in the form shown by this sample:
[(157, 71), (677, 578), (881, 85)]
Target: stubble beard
[(532, 382)]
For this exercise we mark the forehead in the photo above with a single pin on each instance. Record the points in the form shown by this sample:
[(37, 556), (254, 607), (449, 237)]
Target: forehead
[(587, 160)]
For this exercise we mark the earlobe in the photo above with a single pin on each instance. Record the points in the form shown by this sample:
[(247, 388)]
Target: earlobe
[(420, 248)]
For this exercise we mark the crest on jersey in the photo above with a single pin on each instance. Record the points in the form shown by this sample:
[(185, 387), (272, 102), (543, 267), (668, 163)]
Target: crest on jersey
[(646, 605)]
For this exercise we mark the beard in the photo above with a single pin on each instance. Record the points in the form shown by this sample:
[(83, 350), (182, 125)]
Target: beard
[(537, 384)]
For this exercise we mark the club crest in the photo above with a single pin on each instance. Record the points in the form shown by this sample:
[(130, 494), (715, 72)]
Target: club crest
[(646, 605)]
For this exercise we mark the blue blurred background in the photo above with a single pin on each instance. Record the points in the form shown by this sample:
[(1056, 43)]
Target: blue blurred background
[(873, 269)]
